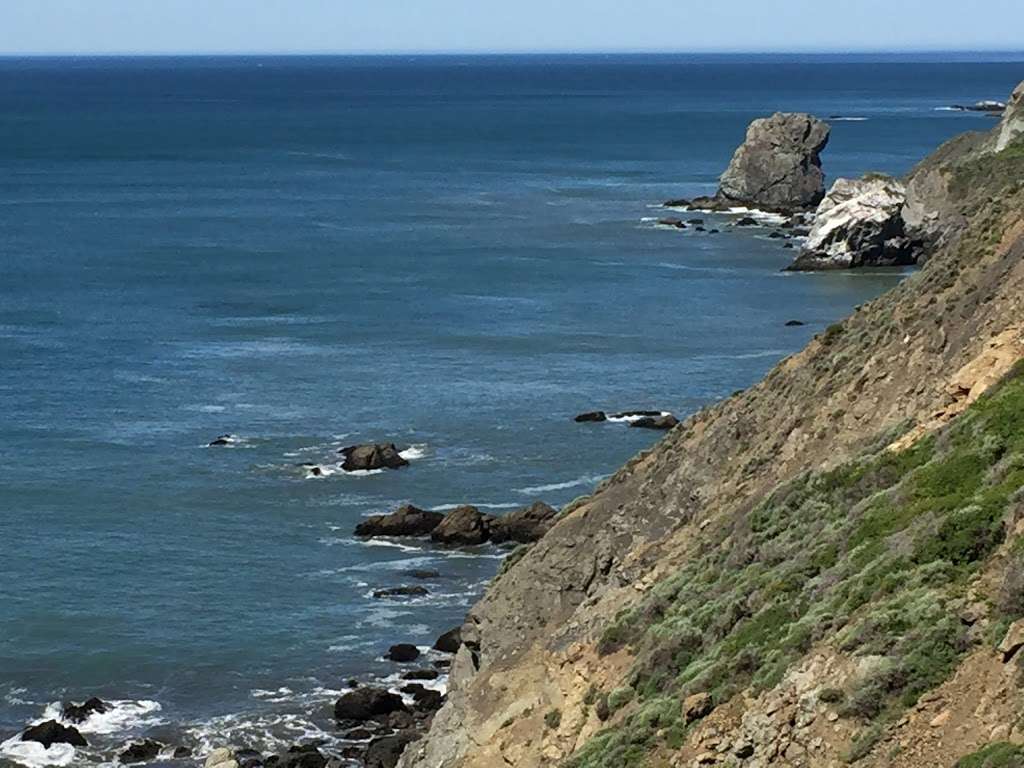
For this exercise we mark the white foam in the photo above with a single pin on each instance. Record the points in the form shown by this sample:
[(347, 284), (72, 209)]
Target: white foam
[(631, 418), (450, 507), (848, 119), (585, 480), (122, 716), (34, 754), (414, 452)]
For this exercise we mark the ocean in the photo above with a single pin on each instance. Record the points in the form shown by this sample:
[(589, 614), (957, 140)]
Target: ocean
[(456, 254)]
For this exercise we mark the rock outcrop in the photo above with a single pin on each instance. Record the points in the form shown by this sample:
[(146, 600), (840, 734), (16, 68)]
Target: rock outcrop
[(778, 166), (464, 526), (1012, 124), (859, 223), (407, 520), (79, 713), (51, 732), (523, 525), (367, 703), (360, 458)]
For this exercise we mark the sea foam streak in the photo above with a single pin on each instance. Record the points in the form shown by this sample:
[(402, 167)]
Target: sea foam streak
[(585, 480)]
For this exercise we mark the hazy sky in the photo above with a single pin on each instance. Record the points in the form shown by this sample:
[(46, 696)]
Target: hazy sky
[(357, 26)]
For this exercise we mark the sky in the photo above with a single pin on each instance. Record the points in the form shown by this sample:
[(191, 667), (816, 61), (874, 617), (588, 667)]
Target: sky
[(472, 26)]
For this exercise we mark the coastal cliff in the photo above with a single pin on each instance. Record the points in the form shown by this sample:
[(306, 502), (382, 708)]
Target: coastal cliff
[(821, 569)]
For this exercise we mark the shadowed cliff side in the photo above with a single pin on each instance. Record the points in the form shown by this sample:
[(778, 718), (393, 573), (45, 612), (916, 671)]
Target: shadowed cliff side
[(542, 671)]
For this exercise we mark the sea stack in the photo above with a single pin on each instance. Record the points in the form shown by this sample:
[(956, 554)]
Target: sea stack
[(778, 166)]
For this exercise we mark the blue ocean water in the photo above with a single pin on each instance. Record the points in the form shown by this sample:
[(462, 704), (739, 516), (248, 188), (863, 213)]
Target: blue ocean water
[(456, 254)]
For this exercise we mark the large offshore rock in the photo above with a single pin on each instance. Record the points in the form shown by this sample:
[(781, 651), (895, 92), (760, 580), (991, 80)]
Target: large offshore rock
[(778, 167), (859, 223)]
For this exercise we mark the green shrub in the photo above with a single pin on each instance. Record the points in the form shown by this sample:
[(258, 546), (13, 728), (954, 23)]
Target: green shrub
[(998, 755), (553, 719)]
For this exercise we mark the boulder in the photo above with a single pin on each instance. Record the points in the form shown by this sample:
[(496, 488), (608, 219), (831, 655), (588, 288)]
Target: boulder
[(794, 323), (1013, 641), (407, 520), (385, 751), (678, 203), (221, 756), (427, 699), (450, 641), (141, 751), (51, 732), (661, 421), (182, 752), (697, 706), (402, 653), (674, 223), (464, 526), (301, 756), (401, 592), (591, 417), (248, 758), (747, 221), (859, 223), (222, 441), (79, 713), (523, 525), (374, 456), (778, 166), (367, 703)]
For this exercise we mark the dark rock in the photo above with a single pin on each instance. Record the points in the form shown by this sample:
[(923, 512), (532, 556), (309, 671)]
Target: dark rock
[(401, 592), (402, 653), (143, 752), (359, 734), (695, 221), (407, 520), (223, 440), (523, 525), (428, 700), (442, 663), (424, 574), (713, 204), (304, 756), (79, 713), (776, 235), (788, 245), (464, 526), (699, 228), (316, 472), (713, 231), (992, 107), (794, 323), (778, 166), (680, 203), (248, 758), (367, 703), (181, 753), (422, 674), (51, 732), (635, 414), (592, 416), (676, 223), (747, 221), (378, 456), (661, 421), (385, 752), (450, 641)]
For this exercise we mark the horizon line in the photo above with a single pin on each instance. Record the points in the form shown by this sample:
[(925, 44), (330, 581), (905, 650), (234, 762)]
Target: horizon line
[(931, 51)]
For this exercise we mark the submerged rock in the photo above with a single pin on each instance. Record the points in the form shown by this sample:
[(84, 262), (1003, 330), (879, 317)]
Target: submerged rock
[(51, 732), (401, 592), (373, 456), (523, 526), (464, 526), (141, 751), (79, 713), (778, 166), (859, 223), (407, 520), (367, 703)]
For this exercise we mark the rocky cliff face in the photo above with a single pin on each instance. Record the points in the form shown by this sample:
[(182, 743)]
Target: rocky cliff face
[(828, 560), (778, 166)]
